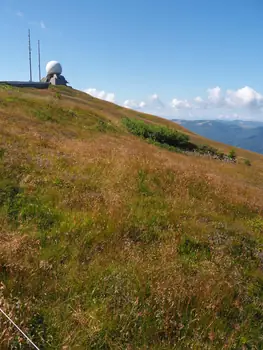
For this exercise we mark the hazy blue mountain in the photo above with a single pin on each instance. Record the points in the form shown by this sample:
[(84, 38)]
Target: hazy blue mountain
[(238, 133)]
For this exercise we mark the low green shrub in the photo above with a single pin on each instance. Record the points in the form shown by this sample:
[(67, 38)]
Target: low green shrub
[(165, 137), (205, 149), (232, 154), (247, 162), (58, 95), (157, 133)]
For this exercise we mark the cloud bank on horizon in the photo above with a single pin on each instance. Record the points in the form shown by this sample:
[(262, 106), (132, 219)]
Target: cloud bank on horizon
[(244, 103)]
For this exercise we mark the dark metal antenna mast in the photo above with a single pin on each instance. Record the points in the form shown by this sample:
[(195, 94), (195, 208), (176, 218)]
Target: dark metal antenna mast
[(39, 65), (29, 50)]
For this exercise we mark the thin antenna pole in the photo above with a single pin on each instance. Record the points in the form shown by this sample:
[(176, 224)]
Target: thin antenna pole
[(39, 65), (29, 51)]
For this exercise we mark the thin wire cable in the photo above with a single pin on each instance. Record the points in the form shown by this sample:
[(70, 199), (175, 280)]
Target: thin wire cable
[(13, 323)]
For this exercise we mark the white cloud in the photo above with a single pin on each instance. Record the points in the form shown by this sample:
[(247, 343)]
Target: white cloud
[(142, 104), (214, 96), (133, 104), (233, 104), (245, 97), (154, 97), (20, 14), (198, 99), (200, 103), (243, 103), (180, 104), (42, 25), (153, 104), (107, 96), (130, 104)]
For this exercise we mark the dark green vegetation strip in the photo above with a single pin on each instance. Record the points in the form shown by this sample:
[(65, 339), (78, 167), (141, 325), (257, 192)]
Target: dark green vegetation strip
[(171, 139)]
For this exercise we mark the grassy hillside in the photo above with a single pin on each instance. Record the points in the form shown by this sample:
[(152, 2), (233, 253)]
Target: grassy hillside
[(108, 241)]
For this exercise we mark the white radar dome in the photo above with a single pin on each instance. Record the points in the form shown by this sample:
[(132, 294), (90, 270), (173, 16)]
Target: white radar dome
[(53, 67)]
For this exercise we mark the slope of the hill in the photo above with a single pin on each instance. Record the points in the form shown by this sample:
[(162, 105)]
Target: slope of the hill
[(109, 242)]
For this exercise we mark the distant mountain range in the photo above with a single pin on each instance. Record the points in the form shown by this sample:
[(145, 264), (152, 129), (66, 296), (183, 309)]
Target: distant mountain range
[(238, 133)]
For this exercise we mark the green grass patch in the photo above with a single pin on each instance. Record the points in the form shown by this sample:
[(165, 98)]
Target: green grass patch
[(23, 208), (143, 185), (8, 191), (7, 87), (105, 126), (30, 209), (44, 115), (256, 224), (193, 250), (148, 219), (39, 332), (243, 250)]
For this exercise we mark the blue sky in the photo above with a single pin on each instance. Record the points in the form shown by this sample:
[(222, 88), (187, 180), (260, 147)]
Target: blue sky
[(175, 58)]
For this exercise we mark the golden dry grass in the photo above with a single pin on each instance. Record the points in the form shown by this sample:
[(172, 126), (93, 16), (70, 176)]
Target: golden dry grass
[(114, 243)]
